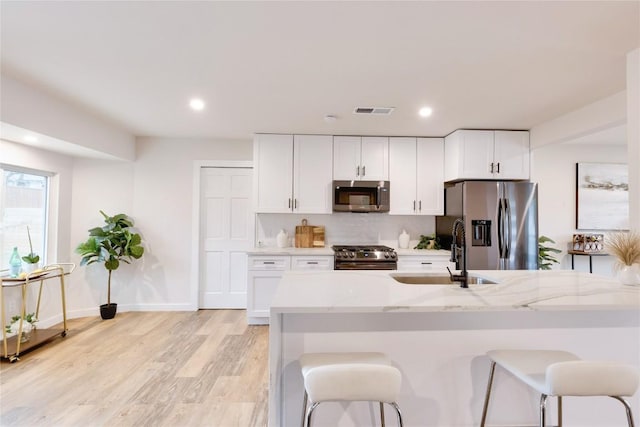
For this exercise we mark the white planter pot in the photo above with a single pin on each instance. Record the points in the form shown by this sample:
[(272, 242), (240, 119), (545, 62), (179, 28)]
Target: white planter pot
[(629, 275), (30, 268)]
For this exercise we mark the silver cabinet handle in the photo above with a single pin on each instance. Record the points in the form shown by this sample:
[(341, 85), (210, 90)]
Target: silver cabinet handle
[(364, 170), (358, 171), (498, 171), (491, 167), (420, 206), (414, 205), (295, 203), (426, 263), (289, 203), (312, 262), (268, 262)]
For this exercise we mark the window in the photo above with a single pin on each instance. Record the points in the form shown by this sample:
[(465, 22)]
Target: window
[(23, 203)]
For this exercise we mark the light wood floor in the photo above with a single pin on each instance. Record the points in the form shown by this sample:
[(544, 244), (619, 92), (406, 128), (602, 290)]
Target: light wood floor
[(205, 368)]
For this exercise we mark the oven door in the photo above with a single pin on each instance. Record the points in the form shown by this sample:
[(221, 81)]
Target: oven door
[(359, 265)]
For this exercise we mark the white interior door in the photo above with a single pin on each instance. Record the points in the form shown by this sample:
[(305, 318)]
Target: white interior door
[(226, 224)]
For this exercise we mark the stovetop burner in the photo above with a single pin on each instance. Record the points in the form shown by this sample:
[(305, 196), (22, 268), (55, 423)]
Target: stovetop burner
[(364, 257)]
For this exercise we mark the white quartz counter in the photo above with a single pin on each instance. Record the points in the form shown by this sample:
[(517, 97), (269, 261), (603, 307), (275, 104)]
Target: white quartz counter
[(271, 250), (377, 291), (291, 251)]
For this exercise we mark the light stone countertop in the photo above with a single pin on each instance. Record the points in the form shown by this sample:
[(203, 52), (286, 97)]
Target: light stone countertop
[(516, 290), (271, 250)]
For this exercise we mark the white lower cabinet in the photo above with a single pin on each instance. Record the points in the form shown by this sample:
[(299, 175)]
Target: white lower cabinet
[(263, 277), (423, 263), (264, 274)]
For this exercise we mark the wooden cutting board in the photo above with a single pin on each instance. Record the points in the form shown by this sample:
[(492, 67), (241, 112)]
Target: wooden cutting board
[(304, 235), (318, 236)]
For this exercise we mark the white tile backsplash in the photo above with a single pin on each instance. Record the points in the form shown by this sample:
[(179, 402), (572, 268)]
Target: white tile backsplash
[(346, 228)]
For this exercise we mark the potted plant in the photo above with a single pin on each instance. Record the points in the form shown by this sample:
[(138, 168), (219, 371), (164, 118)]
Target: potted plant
[(111, 244), (545, 253), (625, 247), (28, 324), (31, 260)]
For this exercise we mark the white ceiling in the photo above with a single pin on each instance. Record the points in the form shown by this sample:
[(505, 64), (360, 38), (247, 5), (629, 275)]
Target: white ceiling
[(283, 66)]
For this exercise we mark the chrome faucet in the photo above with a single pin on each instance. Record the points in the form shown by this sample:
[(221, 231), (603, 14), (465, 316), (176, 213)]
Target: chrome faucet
[(459, 250)]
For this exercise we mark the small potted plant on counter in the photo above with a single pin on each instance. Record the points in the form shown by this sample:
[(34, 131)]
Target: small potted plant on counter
[(32, 259), (111, 244)]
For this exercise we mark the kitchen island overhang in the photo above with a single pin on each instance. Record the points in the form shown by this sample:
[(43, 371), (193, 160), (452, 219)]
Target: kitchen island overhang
[(437, 336)]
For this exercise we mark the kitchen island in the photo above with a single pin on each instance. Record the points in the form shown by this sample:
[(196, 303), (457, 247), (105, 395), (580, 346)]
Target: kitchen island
[(437, 335)]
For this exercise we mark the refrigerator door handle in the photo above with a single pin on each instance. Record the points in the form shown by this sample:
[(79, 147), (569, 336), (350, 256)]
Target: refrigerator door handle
[(507, 208), (500, 230)]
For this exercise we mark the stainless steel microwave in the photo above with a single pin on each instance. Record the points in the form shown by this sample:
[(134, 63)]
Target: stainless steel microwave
[(361, 196)]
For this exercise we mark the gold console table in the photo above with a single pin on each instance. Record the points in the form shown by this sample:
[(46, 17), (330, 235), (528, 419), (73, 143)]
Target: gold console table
[(12, 346)]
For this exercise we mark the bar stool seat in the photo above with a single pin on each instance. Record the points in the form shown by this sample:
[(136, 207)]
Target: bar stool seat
[(349, 377), (560, 373)]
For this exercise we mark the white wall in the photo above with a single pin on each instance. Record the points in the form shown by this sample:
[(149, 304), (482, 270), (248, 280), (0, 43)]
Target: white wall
[(553, 167)]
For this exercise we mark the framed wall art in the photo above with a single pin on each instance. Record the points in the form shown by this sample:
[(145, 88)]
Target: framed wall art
[(602, 196)]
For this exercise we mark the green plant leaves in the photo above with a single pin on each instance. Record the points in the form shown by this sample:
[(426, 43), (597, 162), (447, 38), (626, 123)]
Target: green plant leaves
[(545, 257)]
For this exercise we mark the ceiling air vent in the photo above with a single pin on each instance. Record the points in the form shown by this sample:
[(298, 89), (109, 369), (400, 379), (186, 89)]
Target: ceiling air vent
[(378, 111)]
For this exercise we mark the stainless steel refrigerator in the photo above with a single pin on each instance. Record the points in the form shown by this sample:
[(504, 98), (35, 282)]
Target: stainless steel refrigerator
[(500, 223)]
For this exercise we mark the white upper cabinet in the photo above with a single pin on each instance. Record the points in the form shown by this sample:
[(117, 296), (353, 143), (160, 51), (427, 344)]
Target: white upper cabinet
[(487, 154), (511, 154), (312, 157), (293, 173), (273, 179), (361, 158), (416, 173)]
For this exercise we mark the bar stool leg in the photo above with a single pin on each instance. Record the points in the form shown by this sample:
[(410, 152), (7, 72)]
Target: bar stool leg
[(543, 407), (627, 408), (304, 407), (487, 394), (310, 412), (381, 414), (559, 411), (397, 408)]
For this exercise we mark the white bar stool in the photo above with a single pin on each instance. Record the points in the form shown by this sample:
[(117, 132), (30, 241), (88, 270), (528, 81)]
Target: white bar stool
[(560, 373), (349, 377)]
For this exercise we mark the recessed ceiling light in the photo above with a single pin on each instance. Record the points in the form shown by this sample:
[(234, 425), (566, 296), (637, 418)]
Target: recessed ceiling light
[(196, 104), (425, 112), (30, 138), (329, 118)]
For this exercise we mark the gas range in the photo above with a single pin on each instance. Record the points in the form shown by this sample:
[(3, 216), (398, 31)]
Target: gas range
[(364, 257)]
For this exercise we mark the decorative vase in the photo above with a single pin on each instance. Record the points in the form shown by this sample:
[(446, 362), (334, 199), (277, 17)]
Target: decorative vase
[(25, 336), (282, 239), (629, 275), (403, 240)]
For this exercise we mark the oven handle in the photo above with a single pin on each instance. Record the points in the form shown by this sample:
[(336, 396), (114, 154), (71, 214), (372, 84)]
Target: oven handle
[(365, 266)]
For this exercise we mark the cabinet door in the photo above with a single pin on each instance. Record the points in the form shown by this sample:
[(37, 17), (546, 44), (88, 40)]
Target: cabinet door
[(312, 173), (273, 159), (260, 291), (430, 176), (346, 157), (374, 158), (402, 175), (468, 155), (477, 154), (511, 154)]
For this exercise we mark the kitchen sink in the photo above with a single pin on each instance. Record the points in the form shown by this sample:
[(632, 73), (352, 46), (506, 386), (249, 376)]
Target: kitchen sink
[(430, 279)]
